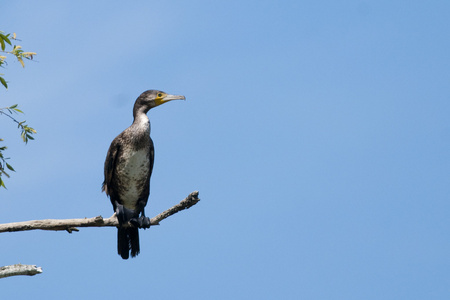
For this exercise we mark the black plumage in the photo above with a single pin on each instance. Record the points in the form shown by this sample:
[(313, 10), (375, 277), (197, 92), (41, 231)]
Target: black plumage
[(128, 168)]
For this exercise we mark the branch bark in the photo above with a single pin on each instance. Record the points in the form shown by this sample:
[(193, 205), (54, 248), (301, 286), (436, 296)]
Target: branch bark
[(71, 225), (19, 269)]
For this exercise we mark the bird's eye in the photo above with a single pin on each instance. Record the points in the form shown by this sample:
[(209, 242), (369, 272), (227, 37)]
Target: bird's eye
[(159, 95)]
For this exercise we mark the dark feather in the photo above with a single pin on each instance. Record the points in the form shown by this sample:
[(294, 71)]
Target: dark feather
[(127, 240)]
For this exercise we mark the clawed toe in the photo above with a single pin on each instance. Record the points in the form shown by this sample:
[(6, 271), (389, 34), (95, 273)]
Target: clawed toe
[(145, 222), (135, 222), (142, 222)]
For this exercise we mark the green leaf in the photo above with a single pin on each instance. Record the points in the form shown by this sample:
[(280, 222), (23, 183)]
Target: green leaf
[(18, 110), (3, 81), (10, 167), (5, 37), (13, 106), (2, 183)]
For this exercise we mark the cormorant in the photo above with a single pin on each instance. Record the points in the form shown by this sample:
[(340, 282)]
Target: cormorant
[(128, 167)]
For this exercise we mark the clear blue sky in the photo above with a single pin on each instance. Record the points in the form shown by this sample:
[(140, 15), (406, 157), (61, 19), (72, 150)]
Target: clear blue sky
[(317, 133)]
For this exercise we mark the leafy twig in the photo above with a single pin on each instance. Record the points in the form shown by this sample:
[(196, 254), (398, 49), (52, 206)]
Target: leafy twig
[(27, 131), (15, 51), (26, 134)]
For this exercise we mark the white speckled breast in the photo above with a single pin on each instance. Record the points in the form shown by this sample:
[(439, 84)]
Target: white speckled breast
[(132, 172)]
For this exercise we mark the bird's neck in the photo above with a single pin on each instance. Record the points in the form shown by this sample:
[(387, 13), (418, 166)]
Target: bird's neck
[(141, 121)]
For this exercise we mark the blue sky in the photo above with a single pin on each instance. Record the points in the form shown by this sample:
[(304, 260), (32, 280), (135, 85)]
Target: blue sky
[(317, 133)]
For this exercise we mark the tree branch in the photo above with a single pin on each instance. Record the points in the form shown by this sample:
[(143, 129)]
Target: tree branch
[(71, 225), (19, 269)]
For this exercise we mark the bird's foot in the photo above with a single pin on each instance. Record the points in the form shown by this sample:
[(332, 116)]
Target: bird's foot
[(141, 222), (124, 214), (145, 222)]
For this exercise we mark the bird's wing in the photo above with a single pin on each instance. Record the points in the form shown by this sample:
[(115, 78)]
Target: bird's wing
[(110, 163), (143, 199), (151, 157)]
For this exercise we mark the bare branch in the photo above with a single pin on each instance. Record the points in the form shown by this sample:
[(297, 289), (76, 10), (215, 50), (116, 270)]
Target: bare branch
[(71, 225), (19, 269)]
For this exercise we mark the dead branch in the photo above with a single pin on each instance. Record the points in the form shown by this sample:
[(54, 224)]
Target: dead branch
[(71, 225), (19, 269)]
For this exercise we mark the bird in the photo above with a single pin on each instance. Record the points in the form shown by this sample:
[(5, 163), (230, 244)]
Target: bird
[(128, 168)]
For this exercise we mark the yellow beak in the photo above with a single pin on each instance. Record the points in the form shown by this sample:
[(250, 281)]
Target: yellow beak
[(168, 98)]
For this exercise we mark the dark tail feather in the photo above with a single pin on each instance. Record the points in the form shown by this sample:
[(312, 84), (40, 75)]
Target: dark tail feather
[(133, 234), (127, 239)]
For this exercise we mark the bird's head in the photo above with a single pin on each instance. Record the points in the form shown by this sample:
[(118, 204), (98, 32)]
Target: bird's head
[(152, 98)]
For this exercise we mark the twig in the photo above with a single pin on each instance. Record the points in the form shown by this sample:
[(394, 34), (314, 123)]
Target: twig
[(9, 116), (71, 225), (19, 269)]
